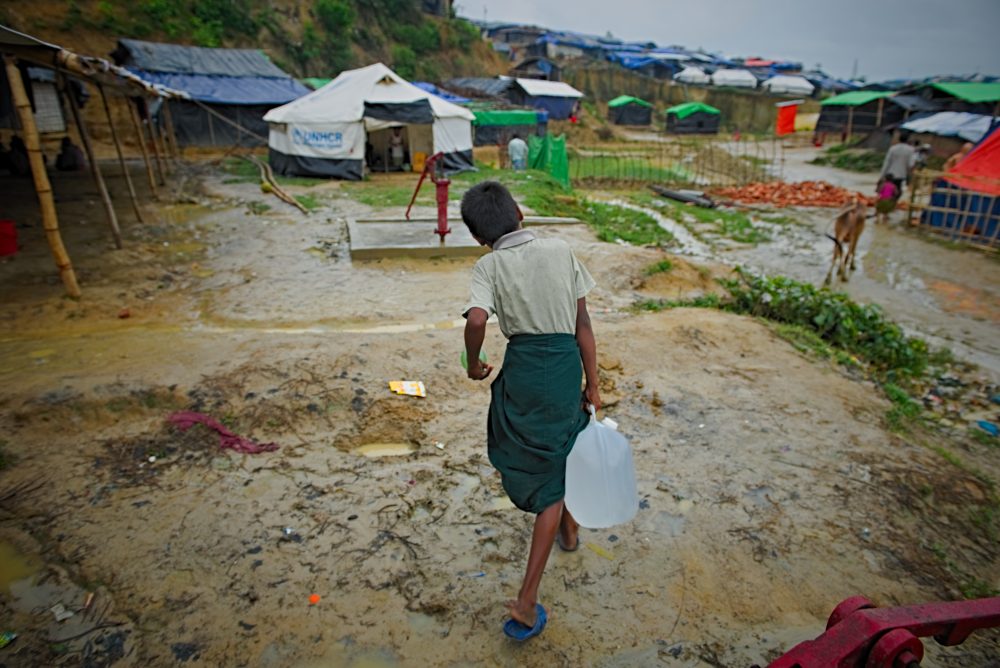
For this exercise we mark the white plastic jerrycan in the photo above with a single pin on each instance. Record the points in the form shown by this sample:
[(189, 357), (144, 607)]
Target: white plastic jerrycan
[(600, 476)]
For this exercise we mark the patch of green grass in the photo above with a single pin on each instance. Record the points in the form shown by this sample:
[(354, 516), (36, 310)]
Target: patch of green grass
[(382, 195), (310, 202), (630, 169), (850, 159), (981, 437), (779, 219), (804, 340), (661, 267), (904, 409), (733, 225), (657, 305), (975, 588), (258, 208), (244, 171), (616, 222)]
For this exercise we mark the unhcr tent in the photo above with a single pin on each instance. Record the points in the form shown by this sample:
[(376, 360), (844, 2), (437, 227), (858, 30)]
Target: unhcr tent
[(734, 78), (693, 118), (335, 130), (628, 110), (692, 75), (784, 84), (555, 97), (966, 202), (239, 84)]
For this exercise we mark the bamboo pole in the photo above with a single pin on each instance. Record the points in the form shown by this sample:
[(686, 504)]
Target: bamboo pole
[(156, 147), (160, 139), (121, 156), (43, 188), (137, 124), (95, 170), (850, 122), (171, 134)]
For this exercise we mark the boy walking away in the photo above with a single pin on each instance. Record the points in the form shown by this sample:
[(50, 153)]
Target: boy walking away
[(537, 288), (517, 150)]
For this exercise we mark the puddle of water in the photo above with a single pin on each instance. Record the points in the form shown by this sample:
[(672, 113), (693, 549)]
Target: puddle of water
[(466, 483), (668, 524), (384, 450), (15, 566), (340, 657), (758, 496), (501, 503)]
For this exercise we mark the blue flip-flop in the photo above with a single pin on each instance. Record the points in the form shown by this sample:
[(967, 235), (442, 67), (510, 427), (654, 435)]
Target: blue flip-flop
[(521, 632)]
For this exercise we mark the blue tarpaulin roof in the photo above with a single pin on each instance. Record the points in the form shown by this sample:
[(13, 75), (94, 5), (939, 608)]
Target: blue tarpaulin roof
[(441, 93), (229, 90), (215, 76)]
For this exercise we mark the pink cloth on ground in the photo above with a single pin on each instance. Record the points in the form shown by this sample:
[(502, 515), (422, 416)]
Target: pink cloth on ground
[(184, 420)]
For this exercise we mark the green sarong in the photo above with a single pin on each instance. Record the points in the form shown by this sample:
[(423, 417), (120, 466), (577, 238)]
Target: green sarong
[(535, 417)]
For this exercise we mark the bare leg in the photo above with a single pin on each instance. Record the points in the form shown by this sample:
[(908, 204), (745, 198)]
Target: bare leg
[(544, 534), (569, 529)]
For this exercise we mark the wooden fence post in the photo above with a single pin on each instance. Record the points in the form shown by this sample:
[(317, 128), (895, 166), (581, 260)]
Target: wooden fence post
[(121, 156), (137, 124)]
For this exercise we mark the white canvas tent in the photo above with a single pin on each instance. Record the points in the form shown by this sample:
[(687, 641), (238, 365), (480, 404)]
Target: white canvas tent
[(734, 78), (336, 129), (692, 75), (790, 85)]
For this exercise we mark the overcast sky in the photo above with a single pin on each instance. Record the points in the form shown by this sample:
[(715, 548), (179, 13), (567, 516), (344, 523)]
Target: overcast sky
[(889, 38)]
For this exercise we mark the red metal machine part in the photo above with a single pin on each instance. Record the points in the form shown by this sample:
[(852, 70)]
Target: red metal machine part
[(441, 184), (860, 635)]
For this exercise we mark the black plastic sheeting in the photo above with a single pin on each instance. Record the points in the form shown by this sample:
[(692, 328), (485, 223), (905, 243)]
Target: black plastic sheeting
[(698, 123), (300, 165), (418, 112), (631, 114), (178, 59), (350, 170), (196, 127)]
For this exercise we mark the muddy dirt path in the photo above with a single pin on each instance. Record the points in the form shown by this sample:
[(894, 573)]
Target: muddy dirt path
[(770, 488)]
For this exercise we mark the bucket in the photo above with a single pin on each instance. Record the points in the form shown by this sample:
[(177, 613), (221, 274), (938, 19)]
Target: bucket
[(419, 159), (8, 238)]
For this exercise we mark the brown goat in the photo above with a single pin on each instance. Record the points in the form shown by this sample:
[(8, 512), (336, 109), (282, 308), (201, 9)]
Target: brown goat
[(847, 230)]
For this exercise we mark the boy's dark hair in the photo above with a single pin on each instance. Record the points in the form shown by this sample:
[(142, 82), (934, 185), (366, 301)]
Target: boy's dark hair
[(489, 211), (904, 137)]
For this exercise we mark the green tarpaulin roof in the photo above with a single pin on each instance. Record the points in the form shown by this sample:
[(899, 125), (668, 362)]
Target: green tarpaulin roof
[(971, 91), (316, 82), (628, 99), (855, 98), (686, 109), (505, 117)]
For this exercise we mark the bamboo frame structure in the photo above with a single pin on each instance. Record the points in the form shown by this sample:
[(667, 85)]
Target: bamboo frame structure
[(43, 187), (140, 135), (161, 170), (170, 132), (121, 156), (95, 169)]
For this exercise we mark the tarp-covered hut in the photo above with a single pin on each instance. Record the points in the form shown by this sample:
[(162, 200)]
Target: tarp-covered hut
[(628, 110), (693, 118), (857, 111), (784, 84), (966, 202), (555, 97), (335, 130), (734, 78), (498, 126), (692, 75), (238, 84)]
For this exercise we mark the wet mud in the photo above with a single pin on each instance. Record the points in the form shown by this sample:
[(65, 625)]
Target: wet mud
[(770, 487)]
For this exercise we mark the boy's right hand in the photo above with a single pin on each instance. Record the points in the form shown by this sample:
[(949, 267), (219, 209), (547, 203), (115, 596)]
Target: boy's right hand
[(592, 396), (479, 371)]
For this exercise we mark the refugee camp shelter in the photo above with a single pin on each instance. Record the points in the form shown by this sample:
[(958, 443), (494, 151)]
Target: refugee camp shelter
[(856, 111), (31, 109), (557, 98), (498, 126), (784, 84), (692, 75), (734, 78), (693, 118), (536, 67), (965, 203), (946, 131), (628, 110), (977, 97), (346, 124), (481, 87), (230, 90)]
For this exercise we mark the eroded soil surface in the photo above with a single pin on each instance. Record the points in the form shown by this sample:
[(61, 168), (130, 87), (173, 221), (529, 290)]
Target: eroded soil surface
[(770, 487)]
